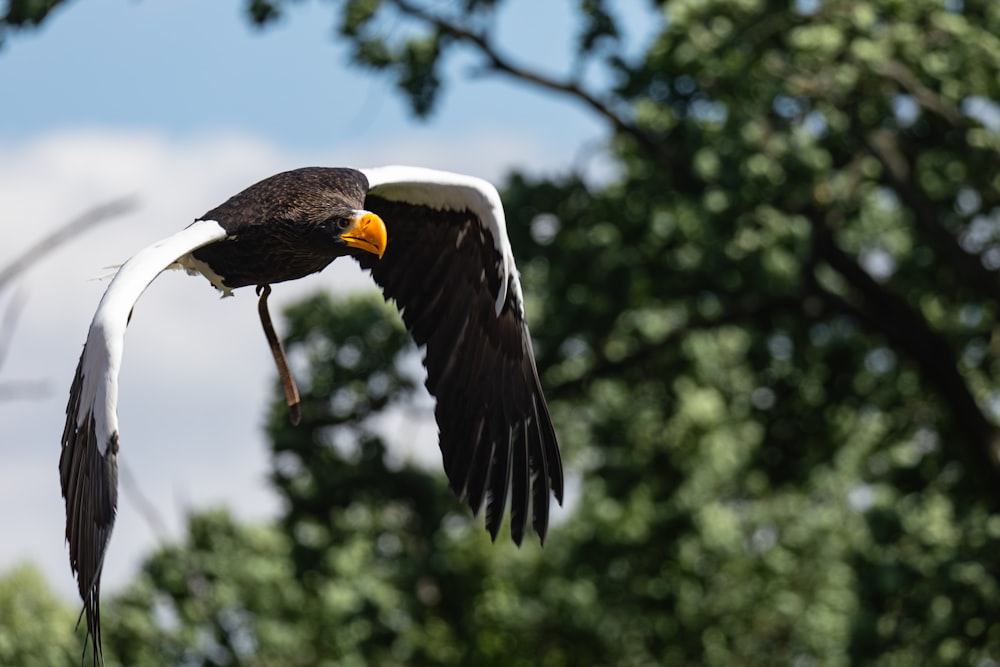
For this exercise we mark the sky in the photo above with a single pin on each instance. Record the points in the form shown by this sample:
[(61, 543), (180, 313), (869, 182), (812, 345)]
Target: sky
[(181, 103)]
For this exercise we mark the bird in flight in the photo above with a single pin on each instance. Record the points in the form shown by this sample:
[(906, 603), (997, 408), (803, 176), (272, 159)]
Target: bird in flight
[(436, 242)]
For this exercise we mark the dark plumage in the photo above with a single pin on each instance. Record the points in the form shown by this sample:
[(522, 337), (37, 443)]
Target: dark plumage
[(284, 227), (480, 366), (448, 266)]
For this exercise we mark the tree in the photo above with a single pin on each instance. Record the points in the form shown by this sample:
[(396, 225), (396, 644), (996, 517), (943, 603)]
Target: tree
[(767, 338), (373, 564), (21, 14), (36, 628), (769, 335)]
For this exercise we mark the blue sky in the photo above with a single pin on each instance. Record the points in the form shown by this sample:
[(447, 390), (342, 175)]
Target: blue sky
[(189, 68), (182, 103)]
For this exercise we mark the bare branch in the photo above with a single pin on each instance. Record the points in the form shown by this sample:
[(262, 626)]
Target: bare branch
[(143, 505), (657, 149), (9, 323), (63, 234)]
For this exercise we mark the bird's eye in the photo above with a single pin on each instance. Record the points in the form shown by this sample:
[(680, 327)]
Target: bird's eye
[(343, 224)]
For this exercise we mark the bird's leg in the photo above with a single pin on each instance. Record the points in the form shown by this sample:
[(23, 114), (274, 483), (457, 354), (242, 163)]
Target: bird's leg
[(287, 381)]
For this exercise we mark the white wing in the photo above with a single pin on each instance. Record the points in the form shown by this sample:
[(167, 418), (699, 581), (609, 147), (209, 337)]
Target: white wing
[(88, 465)]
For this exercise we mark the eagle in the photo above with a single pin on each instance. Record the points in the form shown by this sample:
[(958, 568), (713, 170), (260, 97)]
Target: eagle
[(435, 242)]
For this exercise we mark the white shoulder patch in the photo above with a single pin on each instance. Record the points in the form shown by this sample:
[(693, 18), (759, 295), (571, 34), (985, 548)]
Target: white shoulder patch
[(445, 190)]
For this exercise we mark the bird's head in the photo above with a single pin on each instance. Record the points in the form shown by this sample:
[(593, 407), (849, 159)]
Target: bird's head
[(355, 228)]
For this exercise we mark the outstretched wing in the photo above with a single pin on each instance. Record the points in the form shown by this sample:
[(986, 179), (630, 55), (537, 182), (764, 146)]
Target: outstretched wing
[(449, 267), (88, 466)]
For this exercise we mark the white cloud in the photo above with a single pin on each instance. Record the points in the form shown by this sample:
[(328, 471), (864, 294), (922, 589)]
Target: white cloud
[(197, 371)]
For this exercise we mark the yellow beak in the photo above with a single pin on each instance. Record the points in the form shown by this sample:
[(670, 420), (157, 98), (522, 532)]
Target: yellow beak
[(368, 234)]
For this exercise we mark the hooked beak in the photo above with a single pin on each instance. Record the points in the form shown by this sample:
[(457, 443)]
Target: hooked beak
[(368, 234)]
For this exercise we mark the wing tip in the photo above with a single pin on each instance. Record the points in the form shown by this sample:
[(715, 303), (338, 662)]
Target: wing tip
[(89, 481)]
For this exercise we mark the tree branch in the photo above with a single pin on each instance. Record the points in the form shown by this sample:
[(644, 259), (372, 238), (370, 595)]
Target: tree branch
[(902, 180), (26, 260), (904, 77), (62, 235), (656, 149), (9, 323), (909, 332)]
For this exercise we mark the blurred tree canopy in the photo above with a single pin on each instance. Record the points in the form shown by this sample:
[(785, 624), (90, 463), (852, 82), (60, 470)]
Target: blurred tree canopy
[(768, 341), (36, 627), (21, 14)]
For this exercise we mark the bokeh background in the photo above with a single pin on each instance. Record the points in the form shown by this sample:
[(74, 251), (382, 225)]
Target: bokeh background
[(103, 102), (759, 242)]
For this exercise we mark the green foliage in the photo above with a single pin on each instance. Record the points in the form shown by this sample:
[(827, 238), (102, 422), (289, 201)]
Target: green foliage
[(28, 12), (20, 14), (262, 12), (36, 628), (225, 595), (812, 416), (769, 346), (598, 26), (375, 564), (767, 340)]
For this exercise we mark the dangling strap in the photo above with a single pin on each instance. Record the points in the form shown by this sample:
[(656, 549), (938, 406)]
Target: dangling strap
[(287, 381)]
